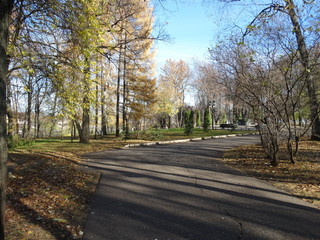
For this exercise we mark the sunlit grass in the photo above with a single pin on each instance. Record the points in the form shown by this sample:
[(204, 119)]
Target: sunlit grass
[(66, 145)]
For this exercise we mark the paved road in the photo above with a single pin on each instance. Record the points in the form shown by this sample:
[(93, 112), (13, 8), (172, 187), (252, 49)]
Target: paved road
[(183, 191)]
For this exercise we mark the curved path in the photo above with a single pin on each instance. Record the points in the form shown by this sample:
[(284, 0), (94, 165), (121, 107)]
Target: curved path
[(183, 191)]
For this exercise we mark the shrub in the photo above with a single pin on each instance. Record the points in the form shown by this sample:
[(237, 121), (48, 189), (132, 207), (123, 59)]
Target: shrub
[(199, 118), (151, 134), (207, 120), (189, 122), (16, 141)]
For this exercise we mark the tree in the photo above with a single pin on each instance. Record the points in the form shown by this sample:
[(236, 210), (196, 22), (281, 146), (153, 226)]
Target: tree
[(206, 120), (140, 85), (132, 35), (289, 8), (82, 37), (5, 11), (210, 91), (174, 78), (266, 74), (189, 122), (198, 119)]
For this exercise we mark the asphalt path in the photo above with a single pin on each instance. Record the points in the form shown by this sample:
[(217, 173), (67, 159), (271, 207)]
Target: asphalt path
[(184, 191)]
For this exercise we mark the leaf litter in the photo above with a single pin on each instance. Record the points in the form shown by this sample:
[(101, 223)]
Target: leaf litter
[(47, 196), (301, 179)]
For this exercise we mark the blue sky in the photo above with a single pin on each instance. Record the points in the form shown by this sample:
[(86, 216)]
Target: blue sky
[(194, 26), (191, 29)]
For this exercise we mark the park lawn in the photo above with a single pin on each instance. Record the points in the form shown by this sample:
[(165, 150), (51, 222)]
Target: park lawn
[(301, 179), (178, 133), (48, 192)]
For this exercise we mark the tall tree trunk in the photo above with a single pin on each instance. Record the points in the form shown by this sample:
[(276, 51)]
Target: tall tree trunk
[(304, 54), (124, 93), (9, 110), (5, 10), (37, 117), (103, 103), (212, 117), (71, 130), (29, 104), (127, 117), (118, 95), (17, 127), (85, 130), (52, 114), (97, 113), (62, 126), (24, 126)]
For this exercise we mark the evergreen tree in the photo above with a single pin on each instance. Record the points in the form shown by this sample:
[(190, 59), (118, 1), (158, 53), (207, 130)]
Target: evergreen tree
[(198, 123), (189, 122), (207, 119)]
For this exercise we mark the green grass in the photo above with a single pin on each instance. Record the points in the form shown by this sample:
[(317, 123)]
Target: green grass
[(178, 133), (110, 141)]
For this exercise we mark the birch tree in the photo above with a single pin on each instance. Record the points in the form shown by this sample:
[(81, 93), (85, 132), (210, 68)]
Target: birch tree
[(174, 77)]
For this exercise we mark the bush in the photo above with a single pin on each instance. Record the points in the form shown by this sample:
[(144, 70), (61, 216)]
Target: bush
[(189, 122), (16, 141), (199, 118), (151, 134), (207, 120)]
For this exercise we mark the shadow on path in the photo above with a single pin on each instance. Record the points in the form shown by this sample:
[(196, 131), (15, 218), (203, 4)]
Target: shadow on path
[(183, 191)]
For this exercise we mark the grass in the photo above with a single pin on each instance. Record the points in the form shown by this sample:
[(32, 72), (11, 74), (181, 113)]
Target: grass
[(300, 179), (65, 146), (178, 133)]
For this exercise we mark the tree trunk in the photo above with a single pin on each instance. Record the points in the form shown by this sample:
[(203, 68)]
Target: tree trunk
[(304, 54), (79, 128), (124, 93), (29, 104), (71, 130), (5, 11), (103, 116), (17, 127), (52, 114), (97, 113), (118, 96), (212, 122), (62, 125), (84, 134), (9, 110), (37, 117), (85, 130)]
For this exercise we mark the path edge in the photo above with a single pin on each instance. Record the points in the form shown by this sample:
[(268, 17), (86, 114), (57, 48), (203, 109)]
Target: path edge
[(186, 140)]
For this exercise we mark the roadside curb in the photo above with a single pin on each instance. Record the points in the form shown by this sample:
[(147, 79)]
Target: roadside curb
[(186, 140)]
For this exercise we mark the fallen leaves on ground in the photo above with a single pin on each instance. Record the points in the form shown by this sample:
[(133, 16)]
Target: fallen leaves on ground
[(300, 179), (47, 196)]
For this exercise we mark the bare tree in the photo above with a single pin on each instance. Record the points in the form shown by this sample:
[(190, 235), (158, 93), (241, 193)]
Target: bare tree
[(289, 8), (266, 75), (210, 92)]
